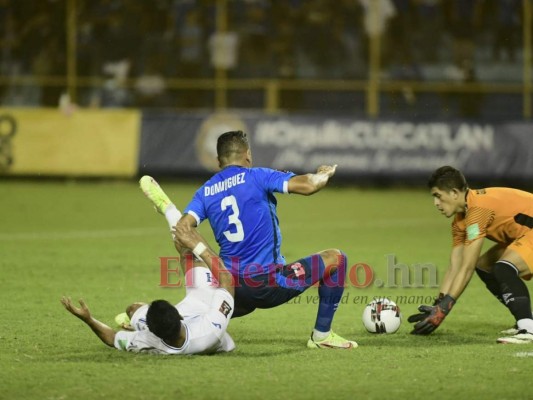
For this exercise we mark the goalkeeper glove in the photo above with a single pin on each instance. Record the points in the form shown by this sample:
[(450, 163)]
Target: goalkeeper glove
[(424, 310), (435, 317)]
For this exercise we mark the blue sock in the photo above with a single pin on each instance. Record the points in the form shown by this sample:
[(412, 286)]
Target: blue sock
[(330, 293)]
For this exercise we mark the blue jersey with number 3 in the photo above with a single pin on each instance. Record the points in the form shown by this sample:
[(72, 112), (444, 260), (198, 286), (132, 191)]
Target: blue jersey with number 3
[(240, 205)]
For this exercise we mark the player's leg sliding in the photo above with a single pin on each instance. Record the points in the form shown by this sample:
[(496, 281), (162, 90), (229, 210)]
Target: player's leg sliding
[(516, 297), (160, 200), (330, 293)]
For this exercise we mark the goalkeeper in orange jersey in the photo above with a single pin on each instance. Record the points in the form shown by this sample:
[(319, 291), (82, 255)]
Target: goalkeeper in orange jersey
[(503, 215)]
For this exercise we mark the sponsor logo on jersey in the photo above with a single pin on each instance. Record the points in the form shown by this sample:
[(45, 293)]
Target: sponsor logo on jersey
[(472, 231), (298, 269), (225, 308), (506, 296)]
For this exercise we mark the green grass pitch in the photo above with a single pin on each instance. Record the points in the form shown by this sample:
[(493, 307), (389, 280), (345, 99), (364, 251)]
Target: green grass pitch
[(101, 241)]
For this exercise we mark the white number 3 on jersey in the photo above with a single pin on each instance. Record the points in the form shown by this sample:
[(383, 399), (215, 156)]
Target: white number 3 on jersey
[(233, 219)]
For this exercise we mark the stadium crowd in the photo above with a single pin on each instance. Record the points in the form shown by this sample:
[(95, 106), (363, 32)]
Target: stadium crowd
[(149, 42)]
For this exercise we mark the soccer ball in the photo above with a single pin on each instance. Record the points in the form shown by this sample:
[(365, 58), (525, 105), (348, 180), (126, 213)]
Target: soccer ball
[(382, 316)]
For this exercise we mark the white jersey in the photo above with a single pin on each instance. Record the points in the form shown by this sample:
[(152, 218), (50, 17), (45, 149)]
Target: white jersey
[(200, 286), (206, 311)]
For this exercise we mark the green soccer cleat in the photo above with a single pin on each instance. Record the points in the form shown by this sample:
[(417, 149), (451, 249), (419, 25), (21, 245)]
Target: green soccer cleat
[(155, 194), (522, 337), (333, 341)]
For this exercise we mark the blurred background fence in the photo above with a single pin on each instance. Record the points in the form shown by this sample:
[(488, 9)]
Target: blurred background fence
[(408, 58), (450, 62)]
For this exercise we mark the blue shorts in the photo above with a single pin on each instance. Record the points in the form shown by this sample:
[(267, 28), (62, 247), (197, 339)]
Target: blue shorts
[(278, 286)]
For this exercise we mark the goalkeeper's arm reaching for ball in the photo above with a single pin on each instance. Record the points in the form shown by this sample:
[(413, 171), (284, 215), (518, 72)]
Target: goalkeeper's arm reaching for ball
[(462, 265)]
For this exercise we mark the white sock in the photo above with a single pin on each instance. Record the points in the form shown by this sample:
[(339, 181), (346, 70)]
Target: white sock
[(526, 323), (173, 215), (317, 335)]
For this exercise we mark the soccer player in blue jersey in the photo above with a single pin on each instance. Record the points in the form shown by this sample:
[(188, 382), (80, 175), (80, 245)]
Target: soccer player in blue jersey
[(240, 205)]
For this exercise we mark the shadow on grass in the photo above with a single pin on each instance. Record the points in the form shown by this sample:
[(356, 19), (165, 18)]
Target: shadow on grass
[(266, 348), (436, 339), (263, 346)]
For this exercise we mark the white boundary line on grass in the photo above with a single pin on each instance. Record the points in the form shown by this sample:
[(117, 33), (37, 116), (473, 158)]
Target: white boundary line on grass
[(81, 234), (523, 354)]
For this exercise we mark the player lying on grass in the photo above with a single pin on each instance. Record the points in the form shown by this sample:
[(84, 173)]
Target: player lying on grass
[(240, 205), (503, 215), (197, 325)]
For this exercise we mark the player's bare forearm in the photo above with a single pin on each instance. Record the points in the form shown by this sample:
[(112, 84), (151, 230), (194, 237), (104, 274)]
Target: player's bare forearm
[(104, 332), (309, 184), (460, 283), (456, 259), (188, 237), (464, 274), (455, 280), (189, 222)]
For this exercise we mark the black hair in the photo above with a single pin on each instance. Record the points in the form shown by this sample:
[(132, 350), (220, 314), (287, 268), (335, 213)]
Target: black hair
[(163, 320), (448, 178), (230, 144)]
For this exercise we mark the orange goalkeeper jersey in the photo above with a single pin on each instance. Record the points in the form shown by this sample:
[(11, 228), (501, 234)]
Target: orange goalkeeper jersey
[(499, 214)]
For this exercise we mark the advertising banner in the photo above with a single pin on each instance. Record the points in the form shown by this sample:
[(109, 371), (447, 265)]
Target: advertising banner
[(402, 151), (48, 142)]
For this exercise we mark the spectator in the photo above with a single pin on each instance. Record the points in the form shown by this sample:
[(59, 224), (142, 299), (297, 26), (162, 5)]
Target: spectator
[(156, 40), (254, 43), (190, 46), (114, 92), (223, 50), (463, 22), (150, 86), (429, 32), (507, 29), (376, 16), (470, 103), (49, 61), (8, 43), (400, 30)]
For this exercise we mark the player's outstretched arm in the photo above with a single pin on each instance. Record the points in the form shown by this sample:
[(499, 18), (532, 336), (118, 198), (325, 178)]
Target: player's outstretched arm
[(311, 183), (463, 275), (104, 332), (188, 237), (456, 259), (463, 264)]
